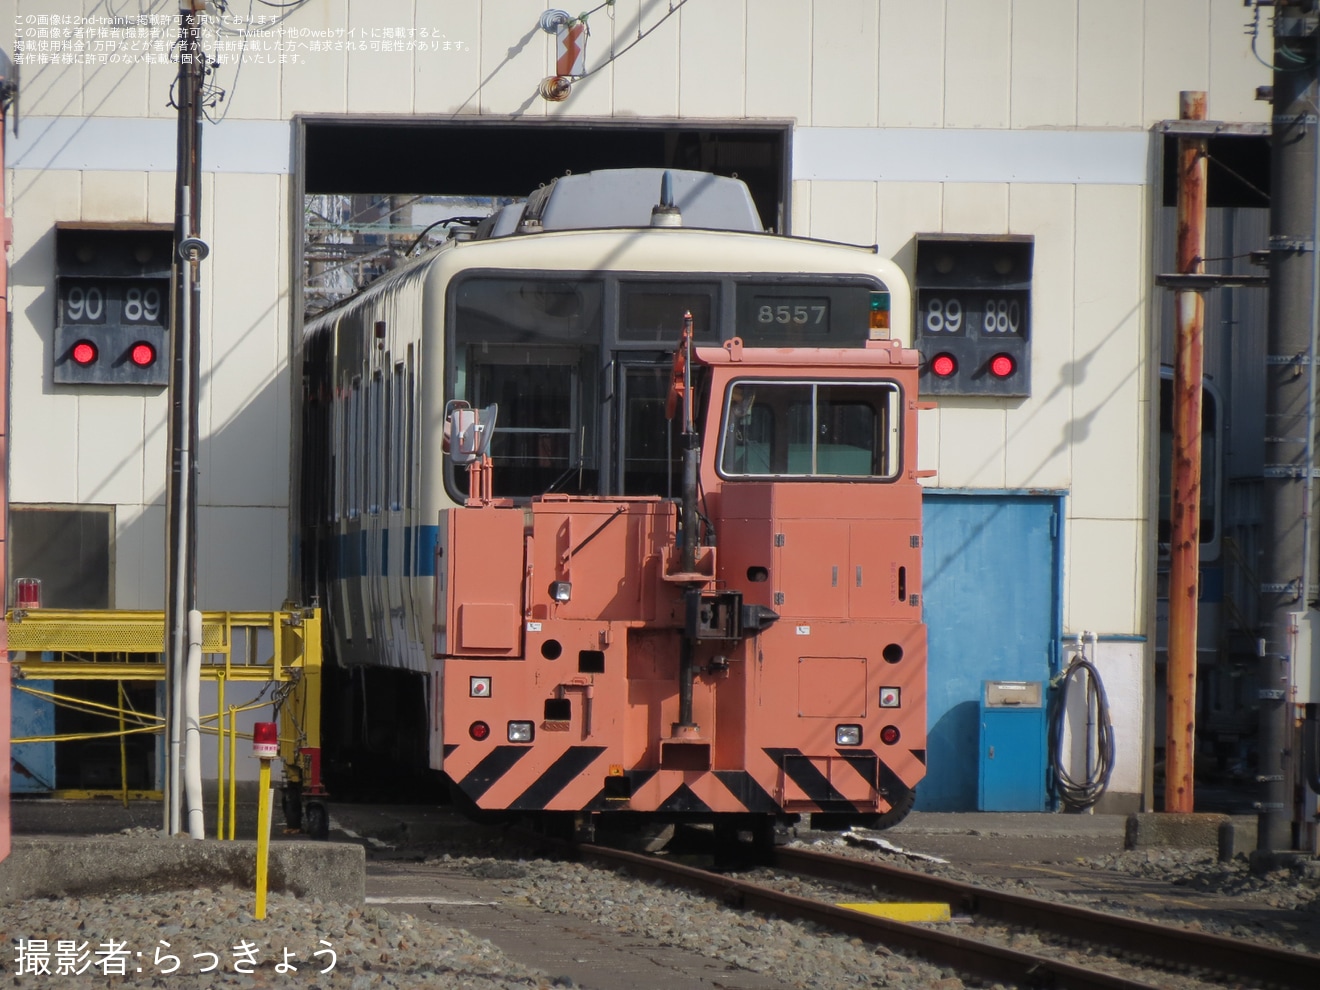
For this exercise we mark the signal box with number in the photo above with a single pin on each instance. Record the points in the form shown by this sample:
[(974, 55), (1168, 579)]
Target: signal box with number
[(112, 305), (973, 314)]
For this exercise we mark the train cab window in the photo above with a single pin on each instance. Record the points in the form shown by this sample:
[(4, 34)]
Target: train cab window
[(648, 464), (531, 345), (653, 312), (811, 430)]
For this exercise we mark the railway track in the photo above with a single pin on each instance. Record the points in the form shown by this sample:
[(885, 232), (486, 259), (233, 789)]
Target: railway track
[(1142, 951)]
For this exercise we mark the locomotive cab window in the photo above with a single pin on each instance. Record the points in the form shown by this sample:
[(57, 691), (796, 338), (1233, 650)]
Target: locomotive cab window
[(811, 430)]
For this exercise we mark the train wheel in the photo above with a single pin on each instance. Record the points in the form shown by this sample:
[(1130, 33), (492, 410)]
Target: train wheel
[(318, 821)]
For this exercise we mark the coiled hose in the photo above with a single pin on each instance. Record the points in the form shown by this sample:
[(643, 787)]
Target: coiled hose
[(1081, 794)]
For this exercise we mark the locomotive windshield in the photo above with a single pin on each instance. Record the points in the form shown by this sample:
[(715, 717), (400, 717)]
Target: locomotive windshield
[(776, 429)]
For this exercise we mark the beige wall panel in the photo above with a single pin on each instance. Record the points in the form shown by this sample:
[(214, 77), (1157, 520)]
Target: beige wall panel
[(844, 78), (800, 208), (241, 556), (247, 351), (1176, 54), (843, 211), (928, 445), (155, 448), (646, 75), (139, 557), (448, 80), (712, 59), (380, 81), (1109, 63), (1039, 452), (160, 197), (109, 447), (43, 422), (49, 88), (975, 208), (1109, 358), (778, 86), (114, 196), (252, 89), (971, 438), (1234, 71), (976, 63), (1101, 577), (321, 85), (904, 209), (1043, 90), (911, 78), (115, 89), (515, 55), (43, 419)]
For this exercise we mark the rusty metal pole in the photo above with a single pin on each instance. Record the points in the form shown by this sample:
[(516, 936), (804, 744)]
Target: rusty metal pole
[(1185, 512)]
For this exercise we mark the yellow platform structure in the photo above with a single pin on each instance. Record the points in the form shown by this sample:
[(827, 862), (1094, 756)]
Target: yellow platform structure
[(128, 646)]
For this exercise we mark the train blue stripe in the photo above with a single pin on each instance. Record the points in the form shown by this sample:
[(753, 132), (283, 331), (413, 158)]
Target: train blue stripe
[(426, 539)]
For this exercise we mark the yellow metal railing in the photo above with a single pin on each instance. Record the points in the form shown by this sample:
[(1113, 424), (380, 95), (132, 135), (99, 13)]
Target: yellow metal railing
[(124, 646)]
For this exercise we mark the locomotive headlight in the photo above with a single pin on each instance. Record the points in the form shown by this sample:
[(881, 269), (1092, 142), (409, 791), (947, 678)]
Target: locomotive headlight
[(561, 591), (520, 732), (848, 735)]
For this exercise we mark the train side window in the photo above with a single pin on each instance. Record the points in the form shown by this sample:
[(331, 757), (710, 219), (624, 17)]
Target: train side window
[(352, 459), (397, 432), (647, 464), (375, 447)]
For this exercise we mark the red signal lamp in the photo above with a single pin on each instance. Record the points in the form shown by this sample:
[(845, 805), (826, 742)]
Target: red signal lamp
[(1002, 365), (890, 735), (142, 354), (84, 352), (943, 365), (479, 731)]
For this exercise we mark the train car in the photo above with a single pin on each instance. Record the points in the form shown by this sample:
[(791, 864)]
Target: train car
[(584, 561)]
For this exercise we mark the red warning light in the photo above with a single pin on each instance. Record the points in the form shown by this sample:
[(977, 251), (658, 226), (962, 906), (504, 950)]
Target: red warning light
[(143, 354), (265, 740), (1002, 365), (943, 365), (84, 352), (478, 731), (889, 735)]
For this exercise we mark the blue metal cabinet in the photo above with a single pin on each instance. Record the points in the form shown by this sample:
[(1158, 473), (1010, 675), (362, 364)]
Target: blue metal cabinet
[(1013, 756)]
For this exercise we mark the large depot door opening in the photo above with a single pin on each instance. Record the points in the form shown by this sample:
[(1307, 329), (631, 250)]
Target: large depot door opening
[(368, 194), (371, 188)]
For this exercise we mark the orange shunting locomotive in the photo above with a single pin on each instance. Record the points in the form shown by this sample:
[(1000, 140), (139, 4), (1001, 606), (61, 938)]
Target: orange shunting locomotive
[(752, 647)]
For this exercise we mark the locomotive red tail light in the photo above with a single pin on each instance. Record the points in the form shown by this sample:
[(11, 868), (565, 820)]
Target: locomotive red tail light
[(1002, 365), (142, 354), (83, 353), (890, 735), (479, 731), (943, 365)]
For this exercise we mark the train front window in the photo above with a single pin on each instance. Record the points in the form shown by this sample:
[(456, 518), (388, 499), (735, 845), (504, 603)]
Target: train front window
[(531, 345), (811, 430)]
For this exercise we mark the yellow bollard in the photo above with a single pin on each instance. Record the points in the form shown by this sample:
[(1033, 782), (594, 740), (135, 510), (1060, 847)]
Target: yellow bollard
[(233, 760), (220, 756), (265, 746)]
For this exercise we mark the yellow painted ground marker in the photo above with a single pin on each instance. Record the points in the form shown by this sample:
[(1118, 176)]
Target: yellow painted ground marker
[(902, 912)]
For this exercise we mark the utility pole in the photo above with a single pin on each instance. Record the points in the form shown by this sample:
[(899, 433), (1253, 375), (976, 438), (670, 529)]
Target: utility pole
[(1287, 571), (181, 492), (1185, 511)]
